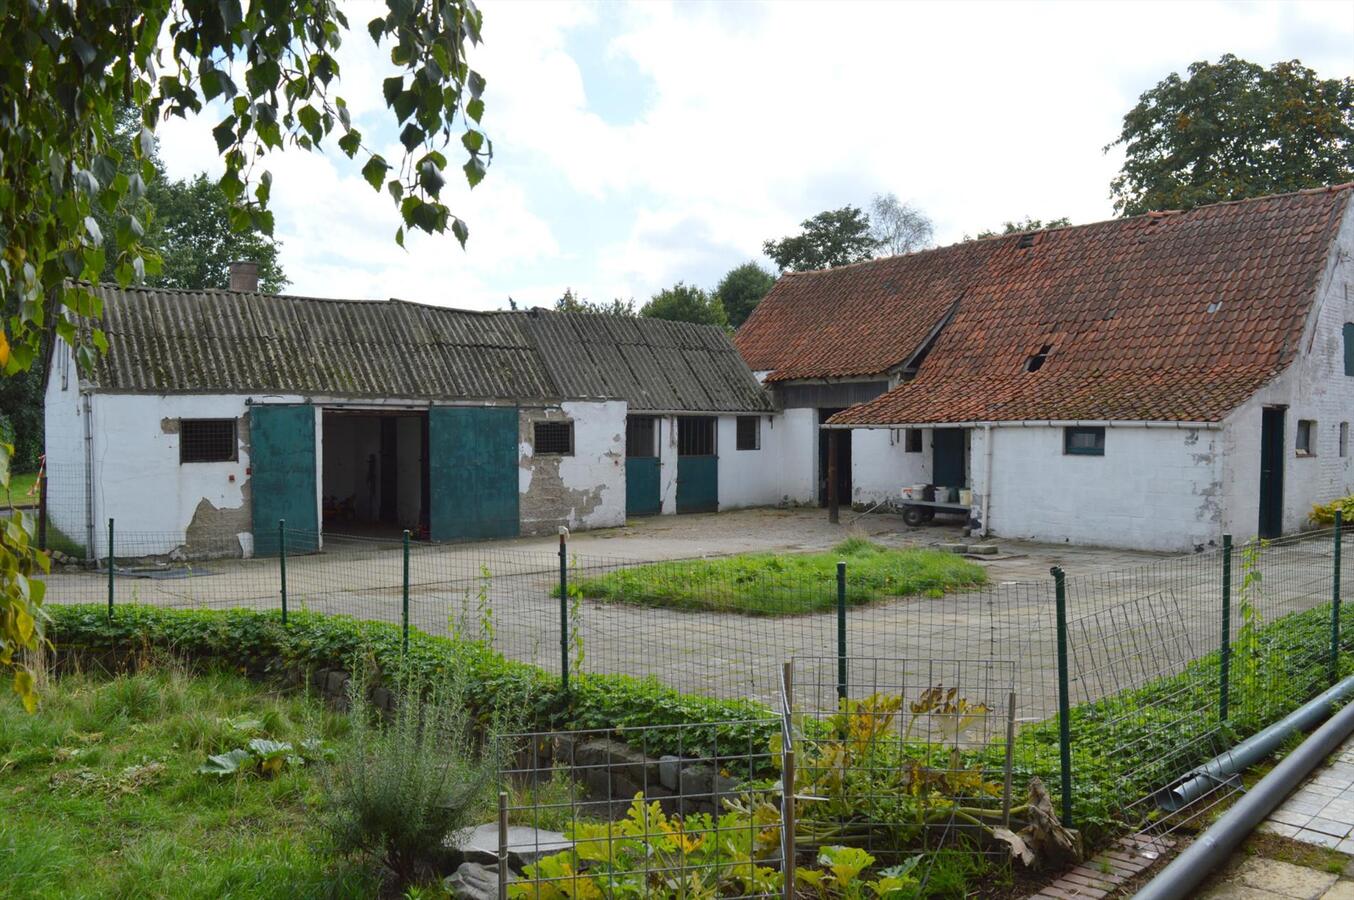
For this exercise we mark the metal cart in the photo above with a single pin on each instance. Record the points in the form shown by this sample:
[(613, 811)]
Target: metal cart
[(915, 512)]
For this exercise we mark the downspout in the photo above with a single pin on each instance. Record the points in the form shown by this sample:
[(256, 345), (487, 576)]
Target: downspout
[(89, 476), (987, 483), (1179, 879)]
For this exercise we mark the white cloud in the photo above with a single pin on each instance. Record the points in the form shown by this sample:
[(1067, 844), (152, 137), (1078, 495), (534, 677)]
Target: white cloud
[(755, 117)]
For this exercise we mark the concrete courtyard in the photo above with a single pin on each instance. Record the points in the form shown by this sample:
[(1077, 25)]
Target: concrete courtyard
[(1134, 616)]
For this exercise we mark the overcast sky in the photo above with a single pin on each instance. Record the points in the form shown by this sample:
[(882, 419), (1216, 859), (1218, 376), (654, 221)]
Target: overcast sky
[(638, 145)]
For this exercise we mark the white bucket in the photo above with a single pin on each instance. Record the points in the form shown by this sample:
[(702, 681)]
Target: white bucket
[(966, 497)]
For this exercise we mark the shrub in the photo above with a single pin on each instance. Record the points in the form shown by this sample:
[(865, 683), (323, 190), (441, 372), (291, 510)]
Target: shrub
[(1324, 513), (398, 789), (258, 643)]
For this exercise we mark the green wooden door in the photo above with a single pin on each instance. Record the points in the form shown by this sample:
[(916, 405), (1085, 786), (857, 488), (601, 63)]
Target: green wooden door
[(697, 465), (282, 479), (472, 472), (949, 466), (642, 496)]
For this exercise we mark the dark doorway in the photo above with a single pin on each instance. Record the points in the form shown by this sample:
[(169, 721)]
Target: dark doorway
[(374, 473), (1271, 473), (389, 473), (843, 461), (949, 459)]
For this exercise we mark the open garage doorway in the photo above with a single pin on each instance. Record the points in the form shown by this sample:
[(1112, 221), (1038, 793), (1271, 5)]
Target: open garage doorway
[(375, 473)]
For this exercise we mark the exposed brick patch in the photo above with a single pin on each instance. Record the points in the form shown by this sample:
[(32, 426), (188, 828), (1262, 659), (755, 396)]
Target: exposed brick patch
[(1104, 875)]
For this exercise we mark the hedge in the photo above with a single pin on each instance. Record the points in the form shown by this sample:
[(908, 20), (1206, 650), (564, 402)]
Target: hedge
[(258, 643), (1123, 746)]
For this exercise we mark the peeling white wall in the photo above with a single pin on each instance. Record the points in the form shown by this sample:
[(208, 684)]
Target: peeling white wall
[(748, 477), (585, 490), (139, 481), (65, 447), (667, 464), (1154, 489), (795, 436), (881, 465), (1315, 387)]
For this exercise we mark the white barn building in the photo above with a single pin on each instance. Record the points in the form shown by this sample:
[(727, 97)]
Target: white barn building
[(1149, 382), (215, 414)]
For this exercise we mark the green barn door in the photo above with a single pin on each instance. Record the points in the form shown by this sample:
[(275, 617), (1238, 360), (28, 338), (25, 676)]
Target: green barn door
[(472, 472), (642, 495), (697, 465), (282, 479)]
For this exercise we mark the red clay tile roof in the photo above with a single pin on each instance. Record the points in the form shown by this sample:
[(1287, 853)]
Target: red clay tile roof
[(1172, 317), (861, 319)]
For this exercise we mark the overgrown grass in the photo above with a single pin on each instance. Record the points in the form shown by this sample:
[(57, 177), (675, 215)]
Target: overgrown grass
[(787, 584), (100, 794), (21, 488)]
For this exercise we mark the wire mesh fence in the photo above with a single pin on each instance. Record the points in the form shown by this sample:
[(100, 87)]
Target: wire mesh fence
[(855, 797), (1164, 665)]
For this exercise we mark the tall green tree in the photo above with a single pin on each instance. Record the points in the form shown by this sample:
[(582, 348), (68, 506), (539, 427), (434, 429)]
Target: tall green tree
[(686, 303), (186, 224), (190, 227), (68, 68), (571, 302), (1233, 129), (1028, 223), (832, 238), (741, 289)]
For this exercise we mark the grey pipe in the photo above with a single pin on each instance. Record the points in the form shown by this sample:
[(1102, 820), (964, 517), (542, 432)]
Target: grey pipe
[(1212, 847), (1198, 782)]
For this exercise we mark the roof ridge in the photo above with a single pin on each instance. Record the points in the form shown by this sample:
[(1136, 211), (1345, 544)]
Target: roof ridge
[(1150, 214)]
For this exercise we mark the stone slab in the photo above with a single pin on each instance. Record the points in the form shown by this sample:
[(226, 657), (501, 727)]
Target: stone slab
[(525, 844)]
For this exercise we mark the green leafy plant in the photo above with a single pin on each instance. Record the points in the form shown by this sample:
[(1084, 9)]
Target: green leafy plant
[(264, 757), (842, 868), (648, 852), (1324, 513), (398, 790), (257, 642)]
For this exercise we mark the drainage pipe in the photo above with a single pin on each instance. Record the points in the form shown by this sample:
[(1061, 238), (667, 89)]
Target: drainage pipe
[(1182, 876), (1198, 782)]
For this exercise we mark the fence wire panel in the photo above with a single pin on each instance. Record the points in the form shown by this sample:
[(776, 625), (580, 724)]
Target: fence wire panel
[(905, 757), (1150, 647), (689, 810)]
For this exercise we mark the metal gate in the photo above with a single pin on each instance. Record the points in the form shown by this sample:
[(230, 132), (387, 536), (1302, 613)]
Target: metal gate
[(282, 479), (472, 472)]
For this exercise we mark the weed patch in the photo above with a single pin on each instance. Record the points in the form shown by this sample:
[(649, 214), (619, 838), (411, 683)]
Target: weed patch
[(786, 584), (101, 797)]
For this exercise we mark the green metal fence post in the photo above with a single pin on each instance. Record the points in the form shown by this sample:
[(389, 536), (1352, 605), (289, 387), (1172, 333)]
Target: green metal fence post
[(841, 630), (282, 563), (404, 639), (564, 609), (1335, 602), (1225, 648), (1064, 701), (110, 567)]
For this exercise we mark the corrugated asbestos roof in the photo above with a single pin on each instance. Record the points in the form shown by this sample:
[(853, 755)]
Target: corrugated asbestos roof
[(171, 341), (652, 364)]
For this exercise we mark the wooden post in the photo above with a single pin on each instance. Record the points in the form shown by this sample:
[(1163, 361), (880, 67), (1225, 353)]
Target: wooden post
[(833, 500)]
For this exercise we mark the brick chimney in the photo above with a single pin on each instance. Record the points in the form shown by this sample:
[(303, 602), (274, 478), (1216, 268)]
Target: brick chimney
[(244, 276)]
